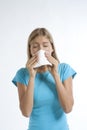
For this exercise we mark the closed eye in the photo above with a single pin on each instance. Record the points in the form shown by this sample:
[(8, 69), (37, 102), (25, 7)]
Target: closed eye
[(35, 46), (45, 45)]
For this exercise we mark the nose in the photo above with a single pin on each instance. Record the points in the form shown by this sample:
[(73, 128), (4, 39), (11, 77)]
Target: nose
[(40, 47)]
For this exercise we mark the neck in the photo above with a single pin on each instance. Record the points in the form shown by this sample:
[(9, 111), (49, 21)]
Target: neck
[(42, 69)]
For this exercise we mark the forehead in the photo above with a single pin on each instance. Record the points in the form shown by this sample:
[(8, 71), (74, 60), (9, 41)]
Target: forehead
[(40, 39)]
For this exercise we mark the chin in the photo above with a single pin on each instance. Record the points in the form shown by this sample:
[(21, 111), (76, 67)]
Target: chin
[(43, 66)]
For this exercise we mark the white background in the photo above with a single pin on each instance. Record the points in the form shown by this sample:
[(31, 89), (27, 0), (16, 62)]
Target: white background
[(67, 22)]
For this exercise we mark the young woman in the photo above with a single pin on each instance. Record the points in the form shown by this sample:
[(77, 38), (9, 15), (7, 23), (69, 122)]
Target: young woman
[(46, 92)]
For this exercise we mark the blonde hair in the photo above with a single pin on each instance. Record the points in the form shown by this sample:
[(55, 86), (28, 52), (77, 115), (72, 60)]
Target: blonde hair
[(41, 32)]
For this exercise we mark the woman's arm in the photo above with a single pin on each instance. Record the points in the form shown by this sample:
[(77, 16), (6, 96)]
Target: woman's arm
[(64, 89), (65, 93), (26, 97), (26, 92)]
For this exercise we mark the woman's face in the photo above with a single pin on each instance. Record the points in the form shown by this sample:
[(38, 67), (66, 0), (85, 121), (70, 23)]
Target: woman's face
[(40, 43)]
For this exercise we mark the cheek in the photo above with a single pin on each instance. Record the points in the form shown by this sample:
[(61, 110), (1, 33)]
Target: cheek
[(33, 51), (50, 50)]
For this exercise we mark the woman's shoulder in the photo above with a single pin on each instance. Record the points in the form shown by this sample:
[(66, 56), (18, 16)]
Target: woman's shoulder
[(66, 70), (22, 70), (63, 65), (21, 76)]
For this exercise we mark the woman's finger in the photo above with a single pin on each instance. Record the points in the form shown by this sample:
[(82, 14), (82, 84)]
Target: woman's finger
[(50, 58), (32, 61)]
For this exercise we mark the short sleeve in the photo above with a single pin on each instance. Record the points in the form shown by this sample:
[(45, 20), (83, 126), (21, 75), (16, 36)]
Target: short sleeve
[(21, 76), (67, 71)]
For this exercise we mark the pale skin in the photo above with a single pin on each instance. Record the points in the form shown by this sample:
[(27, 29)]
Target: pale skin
[(64, 89)]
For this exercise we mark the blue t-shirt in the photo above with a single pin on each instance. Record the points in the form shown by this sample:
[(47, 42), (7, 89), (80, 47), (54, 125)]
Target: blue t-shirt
[(47, 113)]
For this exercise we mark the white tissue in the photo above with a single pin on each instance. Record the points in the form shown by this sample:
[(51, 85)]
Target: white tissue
[(42, 59)]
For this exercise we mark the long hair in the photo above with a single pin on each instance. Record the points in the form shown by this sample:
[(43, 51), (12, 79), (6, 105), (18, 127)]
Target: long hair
[(41, 32)]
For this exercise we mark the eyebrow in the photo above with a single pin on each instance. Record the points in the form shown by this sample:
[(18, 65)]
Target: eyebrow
[(45, 42), (36, 43), (42, 43)]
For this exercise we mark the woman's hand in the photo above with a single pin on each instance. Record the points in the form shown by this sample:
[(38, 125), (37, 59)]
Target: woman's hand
[(30, 65), (54, 68)]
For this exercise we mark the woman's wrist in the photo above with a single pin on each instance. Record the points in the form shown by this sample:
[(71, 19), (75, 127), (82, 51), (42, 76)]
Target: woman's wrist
[(32, 77), (55, 74)]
